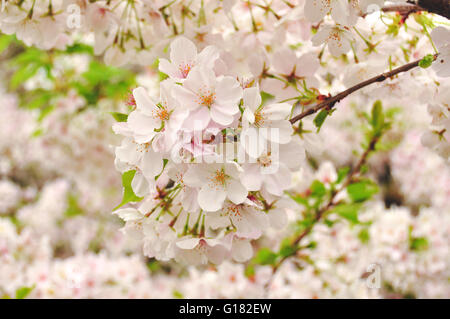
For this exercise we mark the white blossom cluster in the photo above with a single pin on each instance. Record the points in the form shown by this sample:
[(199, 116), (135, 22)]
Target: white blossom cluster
[(138, 30), (207, 152), (341, 259), (226, 187)]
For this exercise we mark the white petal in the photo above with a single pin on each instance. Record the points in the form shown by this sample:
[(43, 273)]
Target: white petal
[(143, 101), (277, 111), (190, 243), (242, 250), (252, 98), (223, 115), (152, 164), (208, 56), (128, 214), (251, 177), (276, 183), (200, 80), (185, 97), (139, 184), (198, 120), (236, 192), (249, 115), (169, 69), (315, 10), (183, 51), (280, 132), (228, 89), (210, 198)]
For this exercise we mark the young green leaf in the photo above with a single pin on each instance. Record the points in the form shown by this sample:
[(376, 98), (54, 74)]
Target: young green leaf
[(119, 117), (286, 248), (73, 209), (320, 119), (128, 193), (362, 191), (265, 257), (348, 211), (318, 189), (418, 243), (427, 61), (23, 292)]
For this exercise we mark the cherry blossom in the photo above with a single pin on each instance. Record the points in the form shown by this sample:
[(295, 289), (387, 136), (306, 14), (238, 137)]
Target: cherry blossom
[(441, 36)]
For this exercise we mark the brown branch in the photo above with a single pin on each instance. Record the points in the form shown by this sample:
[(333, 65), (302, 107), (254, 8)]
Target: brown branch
[(403, 9), (330, 102), (440, 7), (330, 204)]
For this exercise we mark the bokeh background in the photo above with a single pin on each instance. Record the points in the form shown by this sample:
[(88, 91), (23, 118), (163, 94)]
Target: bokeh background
[(58, 188)]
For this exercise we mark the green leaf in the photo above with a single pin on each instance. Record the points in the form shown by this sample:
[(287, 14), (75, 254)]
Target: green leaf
[(177, 294), (128, 193), (165, 161), (5, 41), (342, 173), (362, 191), (286, 248), (153, 265), (305, 223), (377, 116), (39, 100), (317, 189), (348, 211), (46, 110), (265, 97), (312, 245), (249, 271), (427, 61), (23, 292), (73, 209), (320, 119), (119, 117), (299, 199), (101, 81), (79, 48), (418, 243), (24, 73), (364, 236), (265, 257), (37, 132), (162, 76)]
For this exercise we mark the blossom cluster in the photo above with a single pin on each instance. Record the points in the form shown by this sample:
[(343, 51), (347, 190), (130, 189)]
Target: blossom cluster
[(216, 179), (138, 30), (210, 160)]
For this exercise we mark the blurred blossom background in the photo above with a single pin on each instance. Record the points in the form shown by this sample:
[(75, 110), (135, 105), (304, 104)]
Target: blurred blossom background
[(59, 185)]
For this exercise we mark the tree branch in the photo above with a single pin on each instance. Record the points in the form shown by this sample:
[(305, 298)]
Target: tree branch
[(330, 204), (440, 7), (330, 102), (403, 9)]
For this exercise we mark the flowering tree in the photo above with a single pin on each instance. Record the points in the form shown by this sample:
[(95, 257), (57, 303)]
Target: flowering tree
[(248, 135)]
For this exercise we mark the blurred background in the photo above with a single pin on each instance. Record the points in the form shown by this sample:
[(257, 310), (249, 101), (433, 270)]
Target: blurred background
[(58, 187)]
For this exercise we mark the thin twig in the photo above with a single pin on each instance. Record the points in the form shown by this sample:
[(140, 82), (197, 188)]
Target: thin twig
[(330, 204), (440, 7), (330, 102), (403, 9)]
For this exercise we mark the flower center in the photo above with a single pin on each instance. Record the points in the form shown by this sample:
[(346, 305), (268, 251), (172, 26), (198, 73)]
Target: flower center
[(219, 178), (265, 160), (202, 246), (206, 98), (259, 118), (184, 69), (161, 113), (130, 101), (234, 210)]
